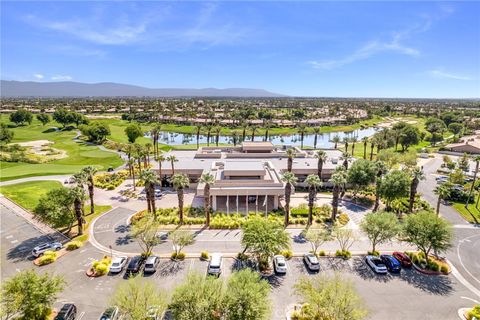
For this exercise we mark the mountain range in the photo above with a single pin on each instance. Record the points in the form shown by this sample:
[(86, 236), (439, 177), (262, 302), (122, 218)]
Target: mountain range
[(11, 89)]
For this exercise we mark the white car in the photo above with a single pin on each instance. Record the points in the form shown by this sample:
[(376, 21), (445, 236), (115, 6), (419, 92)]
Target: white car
[(118, 263), (311, 261), (52, 246), (279, 264), (215, 265), (376, 264), (153, 313), (151, 264)]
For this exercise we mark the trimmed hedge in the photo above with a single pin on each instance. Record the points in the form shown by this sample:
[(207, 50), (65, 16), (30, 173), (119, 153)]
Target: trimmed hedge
[(47, 258), (102, 267), (73, 245)]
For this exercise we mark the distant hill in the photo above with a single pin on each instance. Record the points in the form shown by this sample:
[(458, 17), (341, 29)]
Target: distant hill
[(11, 89)]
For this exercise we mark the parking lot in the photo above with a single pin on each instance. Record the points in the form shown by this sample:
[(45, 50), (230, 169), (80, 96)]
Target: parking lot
[(403, 296)]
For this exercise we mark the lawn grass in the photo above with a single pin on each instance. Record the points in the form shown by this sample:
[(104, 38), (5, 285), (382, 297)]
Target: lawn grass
[(27, 194), (79, 154), (471, 214), (99, 210)]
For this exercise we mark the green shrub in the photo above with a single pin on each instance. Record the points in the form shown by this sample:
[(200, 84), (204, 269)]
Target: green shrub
[(263, 265), (444, 269), (173, 255), (101, 269), (321, 253), (344, 254), (474, 313), (47, 258), (204, 255), (73, 245), (180, 256), (421, 255), (286, 253), (343, 219), (374, 253)]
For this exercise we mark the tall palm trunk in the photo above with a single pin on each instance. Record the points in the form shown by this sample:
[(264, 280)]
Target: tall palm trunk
[(160, 174), (377, 194), (320, 168), (353, 148), (311, 200), (372, 146), (315, 142), (90, 194), (149, 199), (289, 164), (473, 183), (288, 193), (152, 200), (133, 179), (78, 207), (413, 192), (207, 203), (336, 192), (438, 205), (365, 151), (180, 204)]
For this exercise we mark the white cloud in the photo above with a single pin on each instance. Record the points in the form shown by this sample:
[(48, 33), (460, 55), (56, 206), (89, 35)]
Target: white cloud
[(440, 74), (38, 76), (59, 77)]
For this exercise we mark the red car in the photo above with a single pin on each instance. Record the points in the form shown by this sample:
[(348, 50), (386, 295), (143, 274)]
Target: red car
[(403, 258)]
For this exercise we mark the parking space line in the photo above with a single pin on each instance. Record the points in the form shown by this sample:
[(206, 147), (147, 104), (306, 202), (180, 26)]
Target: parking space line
[(81, 315)]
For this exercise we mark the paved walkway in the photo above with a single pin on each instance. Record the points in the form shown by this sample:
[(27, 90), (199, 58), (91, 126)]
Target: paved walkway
[(60, 178)]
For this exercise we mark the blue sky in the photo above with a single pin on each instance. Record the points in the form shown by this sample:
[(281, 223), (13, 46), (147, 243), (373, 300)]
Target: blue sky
[(342, 49)]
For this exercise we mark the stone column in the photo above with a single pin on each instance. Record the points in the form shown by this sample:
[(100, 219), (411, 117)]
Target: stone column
[(214, 203), (275, 202)]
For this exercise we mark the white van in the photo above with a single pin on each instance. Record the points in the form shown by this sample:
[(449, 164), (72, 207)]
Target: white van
[(215, 264)]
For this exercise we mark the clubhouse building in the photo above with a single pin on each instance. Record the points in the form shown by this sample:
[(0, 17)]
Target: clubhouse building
[(247, 177)]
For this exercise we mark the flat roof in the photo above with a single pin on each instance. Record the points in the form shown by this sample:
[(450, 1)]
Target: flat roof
[(232, 168)]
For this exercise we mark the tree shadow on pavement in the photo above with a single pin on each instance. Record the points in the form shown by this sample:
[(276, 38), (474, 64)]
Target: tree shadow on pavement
[(439, 285), (124, 240), (275, 280), (122, 228), (169, 268), (23, 251)]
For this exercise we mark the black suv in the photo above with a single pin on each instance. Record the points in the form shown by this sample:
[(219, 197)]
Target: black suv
[(68, 312), (135, 265)]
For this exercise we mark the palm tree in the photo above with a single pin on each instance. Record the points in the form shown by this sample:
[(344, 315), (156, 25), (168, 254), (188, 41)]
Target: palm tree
[(148, 146), (180, 181), (209, 131), (346, 157), (365, 141), (172, 158), (198, 130), (267, 126), (372, 146), (157, 128), (353, 140), (443, 191), (313, 182), (417, 175), (322, 157), (89, 173), (381, 169), (208, 179), (149, 179), (338, 180), (160, 158), (254, 129), (78, 195), (244, 125), (316, 131), (345, 141), (131, 168), (477, 163), (129, 150), (290, 156), (290, 180), (302, 129), (217, 130), (235, 137), (336, 139)]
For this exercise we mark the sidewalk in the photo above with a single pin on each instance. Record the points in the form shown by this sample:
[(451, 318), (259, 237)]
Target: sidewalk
[(43, 228)]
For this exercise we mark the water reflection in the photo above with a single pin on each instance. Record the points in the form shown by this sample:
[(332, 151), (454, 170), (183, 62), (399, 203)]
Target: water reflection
[(323, 139)]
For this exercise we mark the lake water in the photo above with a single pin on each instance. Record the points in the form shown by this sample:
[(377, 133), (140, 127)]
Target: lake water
[(323, 140)]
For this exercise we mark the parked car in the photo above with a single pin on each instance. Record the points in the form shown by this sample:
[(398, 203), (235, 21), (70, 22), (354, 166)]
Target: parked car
[(67, 312), (279, 264), (118, 263), (112, 313), (53, 246), (158, 194), (135, 265), (376, 264), (151, 264), (311, 261), (393, 265), (215, 264), (404, 260)]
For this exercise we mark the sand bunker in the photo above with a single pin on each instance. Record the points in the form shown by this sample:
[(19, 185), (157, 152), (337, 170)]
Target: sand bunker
[(43, 148)]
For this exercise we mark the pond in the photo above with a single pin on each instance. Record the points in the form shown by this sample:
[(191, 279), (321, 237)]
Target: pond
[(323, 139)]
